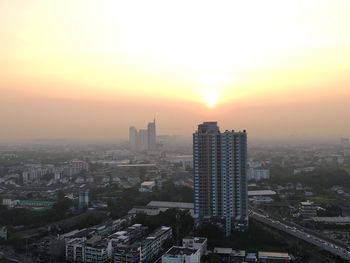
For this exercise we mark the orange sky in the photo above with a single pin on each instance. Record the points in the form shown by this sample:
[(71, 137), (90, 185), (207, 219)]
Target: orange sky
[(87, 69)]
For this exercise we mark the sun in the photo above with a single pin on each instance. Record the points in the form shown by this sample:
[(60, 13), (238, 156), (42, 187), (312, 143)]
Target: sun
[(211, 97)]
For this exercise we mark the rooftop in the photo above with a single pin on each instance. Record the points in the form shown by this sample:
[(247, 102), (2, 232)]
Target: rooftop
[(196, 239), (93, 240), (155, 234), (307, 203), (273, 255), (229, 251), (261, 192), (148, 183), (180, 251), (164, 204)]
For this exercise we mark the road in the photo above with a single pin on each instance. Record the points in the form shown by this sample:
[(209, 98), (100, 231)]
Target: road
[(299, 233)]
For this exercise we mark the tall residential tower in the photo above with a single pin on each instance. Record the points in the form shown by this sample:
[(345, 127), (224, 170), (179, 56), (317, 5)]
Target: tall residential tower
[(220, 176)]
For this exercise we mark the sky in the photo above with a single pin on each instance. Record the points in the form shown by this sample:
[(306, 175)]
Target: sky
[(90, 69)]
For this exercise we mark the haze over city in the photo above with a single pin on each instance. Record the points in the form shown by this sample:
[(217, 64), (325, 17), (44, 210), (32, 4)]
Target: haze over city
[(174, 131), (88, 69)]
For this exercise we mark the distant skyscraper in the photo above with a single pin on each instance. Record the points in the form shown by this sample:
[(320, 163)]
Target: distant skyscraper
[(152, 143), (133, 138), (143, 139), (220, 176)]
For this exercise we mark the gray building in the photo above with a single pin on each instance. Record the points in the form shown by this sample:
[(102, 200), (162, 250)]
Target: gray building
[(152, 144), (143, 140), (220, 176), (133, 138)]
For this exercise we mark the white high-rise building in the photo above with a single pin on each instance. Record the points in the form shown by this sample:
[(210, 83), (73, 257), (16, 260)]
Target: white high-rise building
[(220, 176)]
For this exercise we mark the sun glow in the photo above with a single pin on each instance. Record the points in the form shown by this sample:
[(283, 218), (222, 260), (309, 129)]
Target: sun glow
[(211, 97), (246, 49)]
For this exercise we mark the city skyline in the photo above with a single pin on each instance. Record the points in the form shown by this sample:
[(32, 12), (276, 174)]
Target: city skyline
[(278, 69), (175, 131)]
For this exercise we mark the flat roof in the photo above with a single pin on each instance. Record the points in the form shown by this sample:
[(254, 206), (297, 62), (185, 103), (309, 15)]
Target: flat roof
[(261, 192), (196, 239), (180, 251), (229, 251), (93, 240), (164, 204), (251, 256), (148, 183), (273, 255), (307, 203), (156, 233)]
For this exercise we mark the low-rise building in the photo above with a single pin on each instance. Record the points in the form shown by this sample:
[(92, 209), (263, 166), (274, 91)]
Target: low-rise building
[(9, 202), (181, 255), (230, 255), (239, 256), (75, 250), (273, 257), (127, 253), (97, 250), (128, 235), (199, 243), (147, 186), (152, 245), (308, 209), (155, 207), (258, 174)]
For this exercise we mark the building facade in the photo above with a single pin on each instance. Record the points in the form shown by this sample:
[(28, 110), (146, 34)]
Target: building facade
[(133, 138), (83, 199), (152, 143), (220, 176), (181, 255)]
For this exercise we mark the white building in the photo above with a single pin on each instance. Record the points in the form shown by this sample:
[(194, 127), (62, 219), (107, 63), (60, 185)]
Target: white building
[(199, 243), (97, 250), (93, 250), (152, 244), (8, 202), (220, 176), (25, 177), (308, 209), (181, 255), (77, 166), (147, 186), (258, 174), (75, 250)]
